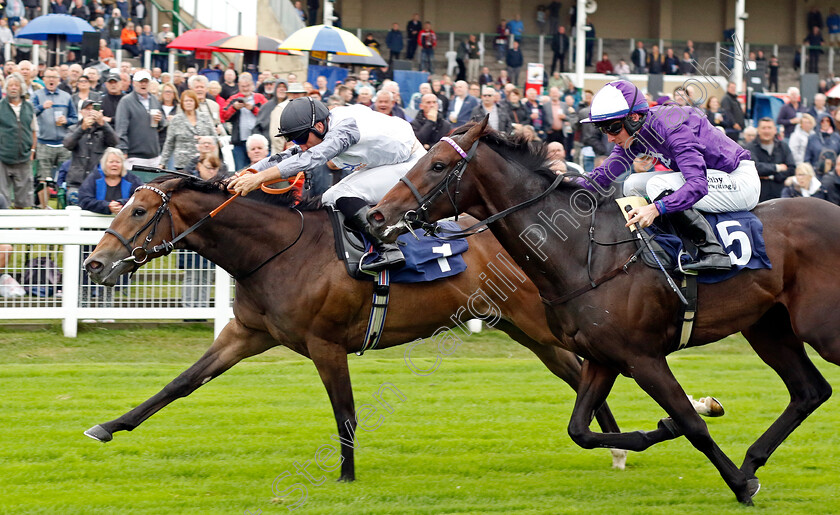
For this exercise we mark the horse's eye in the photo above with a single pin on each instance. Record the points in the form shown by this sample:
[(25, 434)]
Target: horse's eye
[(138, 212), (438, 167)]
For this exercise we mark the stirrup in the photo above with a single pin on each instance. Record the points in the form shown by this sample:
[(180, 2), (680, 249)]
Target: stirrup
[(711, 267), (679, 263)]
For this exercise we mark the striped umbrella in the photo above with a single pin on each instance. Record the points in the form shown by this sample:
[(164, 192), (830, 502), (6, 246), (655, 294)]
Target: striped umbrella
[(262, 44), (323, 38)]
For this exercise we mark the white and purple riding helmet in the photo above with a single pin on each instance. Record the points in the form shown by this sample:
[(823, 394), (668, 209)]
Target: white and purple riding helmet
[(615, 101)]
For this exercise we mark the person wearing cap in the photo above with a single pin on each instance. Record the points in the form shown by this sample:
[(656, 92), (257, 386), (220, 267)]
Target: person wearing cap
[(111, 98), (161, 60), (266, 89), (241, 111), (139, 118), (164, 29), (711, 173), (499, 118), (86, 141), (373, 150)]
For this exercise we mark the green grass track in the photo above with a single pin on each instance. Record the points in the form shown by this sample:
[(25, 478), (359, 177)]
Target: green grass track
[(485, 433)]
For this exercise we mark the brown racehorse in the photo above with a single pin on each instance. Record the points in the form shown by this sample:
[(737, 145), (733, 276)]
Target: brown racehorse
[(628, 323), (304, 299)]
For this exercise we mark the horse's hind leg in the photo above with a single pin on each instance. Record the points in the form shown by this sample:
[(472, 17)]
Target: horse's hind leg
[(655, 377), (234, 344), (777, 345)]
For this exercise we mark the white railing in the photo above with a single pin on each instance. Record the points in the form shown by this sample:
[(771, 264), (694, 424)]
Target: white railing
[(157, 291)]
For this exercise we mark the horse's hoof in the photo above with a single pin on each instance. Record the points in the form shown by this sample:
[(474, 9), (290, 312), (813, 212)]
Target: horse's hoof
[(753, 486), (345, 479), (98, 432), (713, 407), (619, 458)]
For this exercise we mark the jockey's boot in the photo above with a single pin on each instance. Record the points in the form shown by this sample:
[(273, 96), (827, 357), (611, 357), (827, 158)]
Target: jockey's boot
[(390, 255), (710, 254)]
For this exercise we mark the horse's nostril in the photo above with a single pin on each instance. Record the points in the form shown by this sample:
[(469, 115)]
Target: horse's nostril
[(93, 266), (376, 217)]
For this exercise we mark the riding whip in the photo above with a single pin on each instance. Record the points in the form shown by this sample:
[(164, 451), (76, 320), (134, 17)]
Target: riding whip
[(646, 243)]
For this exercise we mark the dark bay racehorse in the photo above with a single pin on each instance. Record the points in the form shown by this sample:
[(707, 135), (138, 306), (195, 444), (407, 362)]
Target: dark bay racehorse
[(628, 324), (304, 298)]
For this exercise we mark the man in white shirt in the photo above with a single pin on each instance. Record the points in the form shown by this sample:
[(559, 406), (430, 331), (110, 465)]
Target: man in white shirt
[(462, 105)]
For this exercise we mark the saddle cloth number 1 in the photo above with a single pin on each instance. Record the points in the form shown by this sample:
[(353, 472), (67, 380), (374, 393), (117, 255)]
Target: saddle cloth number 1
[(729, 235)]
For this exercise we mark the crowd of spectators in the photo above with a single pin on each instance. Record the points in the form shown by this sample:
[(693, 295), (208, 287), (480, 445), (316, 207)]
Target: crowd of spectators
[(67, 116)]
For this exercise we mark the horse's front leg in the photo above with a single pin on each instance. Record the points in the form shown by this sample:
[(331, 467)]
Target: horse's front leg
[(234, 344), (595, 384), (331, 361), (654, 376)]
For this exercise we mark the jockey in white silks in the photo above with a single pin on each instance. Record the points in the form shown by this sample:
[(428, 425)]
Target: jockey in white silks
[(376, 149)]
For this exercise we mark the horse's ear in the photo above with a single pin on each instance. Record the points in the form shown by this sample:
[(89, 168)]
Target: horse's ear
[(475, 132)]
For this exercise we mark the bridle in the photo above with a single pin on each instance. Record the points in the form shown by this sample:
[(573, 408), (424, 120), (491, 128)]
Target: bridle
[(419, 217), (421, 214), (153, 222), (166, 247)]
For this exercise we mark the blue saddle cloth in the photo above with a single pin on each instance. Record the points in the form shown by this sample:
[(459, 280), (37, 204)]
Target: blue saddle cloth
[(740, 233), (429, 258)]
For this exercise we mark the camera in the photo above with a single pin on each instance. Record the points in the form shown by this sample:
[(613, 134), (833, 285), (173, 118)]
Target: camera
[(97, 106)]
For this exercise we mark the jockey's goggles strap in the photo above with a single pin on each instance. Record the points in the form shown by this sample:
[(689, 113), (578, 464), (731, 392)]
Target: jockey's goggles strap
[(455, 146)]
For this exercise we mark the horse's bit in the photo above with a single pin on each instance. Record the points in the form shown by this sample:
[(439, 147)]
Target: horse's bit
[(153, 223)]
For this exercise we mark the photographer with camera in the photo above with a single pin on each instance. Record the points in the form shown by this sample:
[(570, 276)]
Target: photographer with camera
[(87, 141)]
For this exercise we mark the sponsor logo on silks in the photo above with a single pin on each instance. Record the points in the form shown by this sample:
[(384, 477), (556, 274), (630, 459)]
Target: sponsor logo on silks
[(721, 184), (348, 167)]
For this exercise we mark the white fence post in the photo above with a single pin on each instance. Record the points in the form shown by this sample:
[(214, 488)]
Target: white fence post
[(70, 275), (147, 59), (155, 292), (36, 55), (222, 295), (7, 51)]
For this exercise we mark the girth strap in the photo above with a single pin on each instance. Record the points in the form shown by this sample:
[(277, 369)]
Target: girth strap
[(378, 312)]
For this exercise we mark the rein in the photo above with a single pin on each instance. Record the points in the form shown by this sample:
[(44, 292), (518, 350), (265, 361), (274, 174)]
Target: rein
[(419, 217), (594, 283), (166, 247)]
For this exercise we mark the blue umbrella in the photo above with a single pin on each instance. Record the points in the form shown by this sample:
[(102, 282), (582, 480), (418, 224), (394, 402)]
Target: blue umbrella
[(47, 25)]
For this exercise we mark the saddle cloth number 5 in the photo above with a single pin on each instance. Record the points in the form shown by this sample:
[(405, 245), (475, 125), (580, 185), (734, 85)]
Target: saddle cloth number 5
[(729, 236)]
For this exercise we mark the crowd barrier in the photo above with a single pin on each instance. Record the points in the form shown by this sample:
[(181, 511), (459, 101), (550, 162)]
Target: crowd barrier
[(55, 241)]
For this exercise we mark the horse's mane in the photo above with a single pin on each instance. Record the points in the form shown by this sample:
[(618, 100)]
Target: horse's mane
[(215, 186), (530, 155)]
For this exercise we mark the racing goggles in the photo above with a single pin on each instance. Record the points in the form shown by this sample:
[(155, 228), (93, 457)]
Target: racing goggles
[(299, 138), (612, 127)]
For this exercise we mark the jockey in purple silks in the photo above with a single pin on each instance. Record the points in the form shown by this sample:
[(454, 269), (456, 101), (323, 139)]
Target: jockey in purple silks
[(710, 172)]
